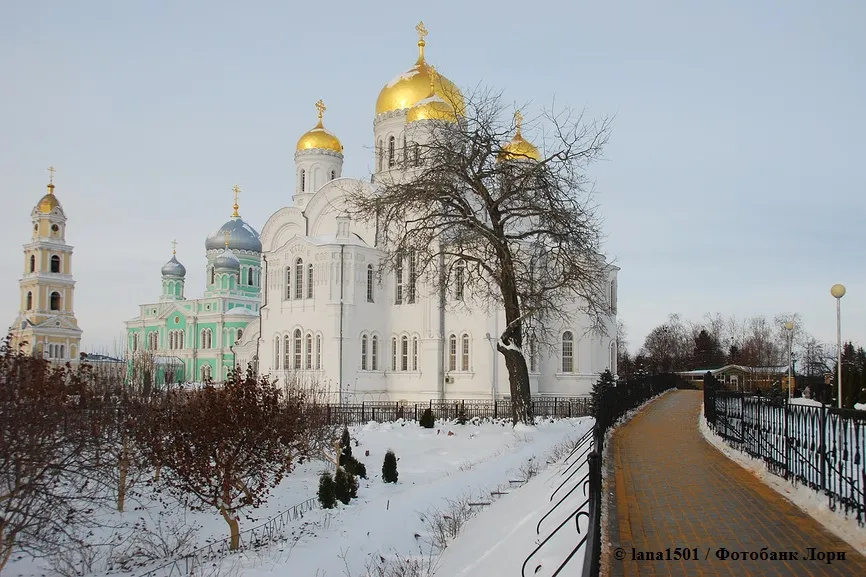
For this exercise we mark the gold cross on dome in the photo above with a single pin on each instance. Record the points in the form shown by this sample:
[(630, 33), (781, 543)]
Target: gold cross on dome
[(518, 119), (422, 31), (227, 234), (320, 106), (174, 247), (50, 175), (237, 191)]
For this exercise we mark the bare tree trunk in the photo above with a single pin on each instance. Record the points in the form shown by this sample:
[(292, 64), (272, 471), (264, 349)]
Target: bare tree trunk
[(515, 362), (234, 528), (6, 545), (124, 470)]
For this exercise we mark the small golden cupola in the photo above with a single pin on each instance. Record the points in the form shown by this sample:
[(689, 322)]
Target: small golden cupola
[(518, 148), (49, 202), (434, 107), (319, 137), (412, 86)]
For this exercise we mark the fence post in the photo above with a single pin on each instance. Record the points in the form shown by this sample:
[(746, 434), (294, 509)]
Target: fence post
[(495, 410), (822, 446), (787, 448), (362, 411), (416, 412)]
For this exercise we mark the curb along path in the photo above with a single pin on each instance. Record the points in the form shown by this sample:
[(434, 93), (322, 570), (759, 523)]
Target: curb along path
[(673, 489)]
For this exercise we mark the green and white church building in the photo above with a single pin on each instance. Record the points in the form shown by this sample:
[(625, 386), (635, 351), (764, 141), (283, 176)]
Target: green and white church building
[(177, 339)]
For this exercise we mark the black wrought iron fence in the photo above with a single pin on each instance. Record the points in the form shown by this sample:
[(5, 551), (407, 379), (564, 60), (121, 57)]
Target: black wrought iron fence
[(821, 447)]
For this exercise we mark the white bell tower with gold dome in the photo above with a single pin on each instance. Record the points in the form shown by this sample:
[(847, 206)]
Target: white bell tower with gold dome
[(46, 324), (318, 160)]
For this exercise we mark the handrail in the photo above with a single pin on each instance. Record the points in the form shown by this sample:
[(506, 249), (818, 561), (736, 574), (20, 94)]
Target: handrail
[(583, 482)]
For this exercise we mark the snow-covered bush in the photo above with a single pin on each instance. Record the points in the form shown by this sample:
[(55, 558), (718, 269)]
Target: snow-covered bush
[(427, 420), (327, 491), (345, 486)]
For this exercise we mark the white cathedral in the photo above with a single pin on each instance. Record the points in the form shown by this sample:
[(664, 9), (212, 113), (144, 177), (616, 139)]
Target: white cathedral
[(326, 316)]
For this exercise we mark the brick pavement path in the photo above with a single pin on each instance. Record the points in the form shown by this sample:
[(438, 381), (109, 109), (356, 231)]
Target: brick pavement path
[(674, 489)]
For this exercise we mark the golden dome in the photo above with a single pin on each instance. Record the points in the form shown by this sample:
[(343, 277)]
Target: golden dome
[(412, 86), (318, 137), (433, 107), (519, 148), (48, 202)]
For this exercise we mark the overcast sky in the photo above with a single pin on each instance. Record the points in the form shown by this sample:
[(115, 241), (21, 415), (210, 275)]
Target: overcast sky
[(734, 180)]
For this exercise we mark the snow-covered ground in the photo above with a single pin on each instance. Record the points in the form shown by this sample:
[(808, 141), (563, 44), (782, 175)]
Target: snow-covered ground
[(812, 502), (436, 466)]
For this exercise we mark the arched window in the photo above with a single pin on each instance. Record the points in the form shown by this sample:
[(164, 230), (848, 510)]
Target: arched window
[(412, 276), (364, 352), (380, 153), (369, 283), (205, 373), (171, 339), (212, 275), (303, 180), (404, 354), (179, 339), (318, 352), (288, 282), (299, 278), (134, 342), (55, 263), (55, 301), (240, 334), (29, 301), (308, 360), (32, 263), (452, 353), (567, 352), (533, 358), (206, 339), (393, 349), (398, 279), (374, 353), (250, 276), (287, 353), (310, 281), (459, 279), (414, 353), (392, 159), (333, 174), (298, 343), (464, 353), (277, 353), (613, 357)]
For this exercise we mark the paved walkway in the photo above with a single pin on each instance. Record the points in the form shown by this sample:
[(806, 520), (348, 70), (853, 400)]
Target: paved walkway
[(674, 489)]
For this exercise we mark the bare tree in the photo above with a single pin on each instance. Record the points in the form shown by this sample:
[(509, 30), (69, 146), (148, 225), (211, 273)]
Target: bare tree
[(468, 208)]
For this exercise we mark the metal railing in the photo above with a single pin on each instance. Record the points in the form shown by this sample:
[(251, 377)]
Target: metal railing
[(821, 447)]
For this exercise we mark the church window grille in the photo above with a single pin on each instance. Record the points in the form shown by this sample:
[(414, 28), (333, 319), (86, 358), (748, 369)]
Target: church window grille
[(393, 353), (391, 152), (464, 357), (277, 353), (29, 300), (404, 354), (299, 278), (298, 338), (374, 353), (414, 353), (459, 279), (412, 276), (288, 282), (310, 281), (308, 361), (32, 263), (55, 263), (303, 180), (452, 353), (287, 353), (318, 352), (533, 356), (369, 283), (567, 352), (55, 301), (364, 352), (398, 278)]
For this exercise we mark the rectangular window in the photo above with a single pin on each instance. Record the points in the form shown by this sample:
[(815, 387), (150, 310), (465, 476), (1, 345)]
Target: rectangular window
[(464, 360), (310, 281), (412, 276), (452, 353), (459, 280), (277, 354), (288, 283), (287, 354), (364, 353), (318, 352), (394, 354), (309, 360), (398, 278), (567, 356), (299, 279), (404, 354), (374, 354), (297, 364), (415, 354), (369, 283)]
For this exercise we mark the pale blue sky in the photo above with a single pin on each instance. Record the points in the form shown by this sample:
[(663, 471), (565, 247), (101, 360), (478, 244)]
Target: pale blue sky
[(730, 185)]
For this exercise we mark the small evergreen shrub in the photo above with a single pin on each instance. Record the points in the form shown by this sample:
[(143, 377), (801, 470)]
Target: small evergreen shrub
[(461, 415), (389, 468), (427, 420), (345, 444), (327, 494), (343, 486), (360, 469), (600, 388)]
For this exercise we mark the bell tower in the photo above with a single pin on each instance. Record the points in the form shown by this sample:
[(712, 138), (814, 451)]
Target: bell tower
[(46, 324)]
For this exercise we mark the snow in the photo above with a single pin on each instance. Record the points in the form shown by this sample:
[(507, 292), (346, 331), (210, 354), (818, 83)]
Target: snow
[(860, 406), (408, 75), (812, 502), (435, 466), (805, 402)]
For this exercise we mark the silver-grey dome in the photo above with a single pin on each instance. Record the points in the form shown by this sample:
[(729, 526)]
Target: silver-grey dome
[(227, 260), (173, 268), (243, 237)]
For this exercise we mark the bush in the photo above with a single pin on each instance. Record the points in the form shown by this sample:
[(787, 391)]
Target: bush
[(461, 415), (345, 444), (345, 486), (327, 491), (605, 383), (427, 420), (389, 468)]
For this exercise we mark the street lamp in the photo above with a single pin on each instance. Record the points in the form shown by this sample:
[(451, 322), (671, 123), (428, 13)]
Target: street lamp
[(789, 326), (838, 291)]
